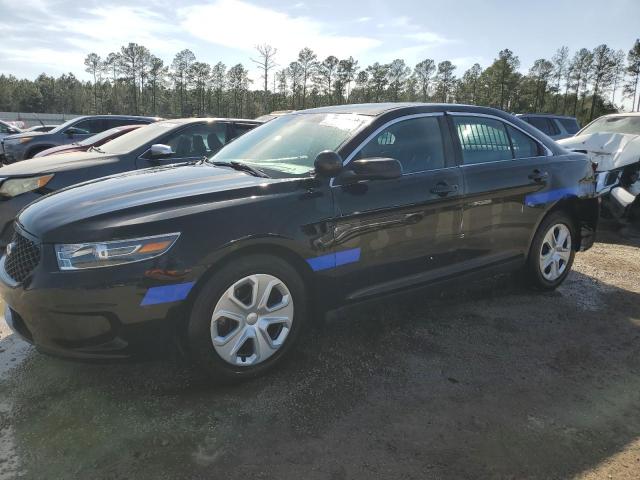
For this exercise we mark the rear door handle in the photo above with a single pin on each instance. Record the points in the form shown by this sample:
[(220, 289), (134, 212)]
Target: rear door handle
[(538, 176), (443, 189)]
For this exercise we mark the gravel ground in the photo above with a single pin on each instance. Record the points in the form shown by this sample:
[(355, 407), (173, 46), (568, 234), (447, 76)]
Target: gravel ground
[(492, 382)]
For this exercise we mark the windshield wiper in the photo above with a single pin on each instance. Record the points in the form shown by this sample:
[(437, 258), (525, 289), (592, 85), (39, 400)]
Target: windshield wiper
[(242, 167), (96, 149)]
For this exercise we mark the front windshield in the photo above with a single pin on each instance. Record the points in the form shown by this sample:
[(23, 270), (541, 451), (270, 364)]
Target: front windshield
[(622, 124), (63, 126), (290, 144), (138, 137)]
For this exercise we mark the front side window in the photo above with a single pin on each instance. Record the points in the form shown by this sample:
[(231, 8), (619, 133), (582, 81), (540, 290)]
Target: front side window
[(416, 143), (289, 145), (482, 140), (91, 126), (198, 140)]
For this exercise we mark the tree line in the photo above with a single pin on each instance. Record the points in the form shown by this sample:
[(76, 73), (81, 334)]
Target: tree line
[(132, 80)]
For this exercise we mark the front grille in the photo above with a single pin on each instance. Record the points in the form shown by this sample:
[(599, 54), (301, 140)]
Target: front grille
[(24, 257)]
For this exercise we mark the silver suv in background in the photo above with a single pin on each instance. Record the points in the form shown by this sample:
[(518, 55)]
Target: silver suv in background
[(554, 126), (26, 144)]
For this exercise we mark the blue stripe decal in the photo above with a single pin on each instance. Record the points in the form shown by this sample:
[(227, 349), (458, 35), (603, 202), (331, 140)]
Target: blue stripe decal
[(167, 293), (550, 196), (332, 260)]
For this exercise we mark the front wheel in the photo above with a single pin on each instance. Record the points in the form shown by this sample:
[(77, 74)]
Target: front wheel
[(247, 317), (552, 253)]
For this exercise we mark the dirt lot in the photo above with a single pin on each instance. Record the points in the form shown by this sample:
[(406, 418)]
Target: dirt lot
[(495, 382)]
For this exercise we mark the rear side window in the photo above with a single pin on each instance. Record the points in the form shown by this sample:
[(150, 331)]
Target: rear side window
[(570, 125), (544, 125), (482, 140), (416, 143), (523, 145)]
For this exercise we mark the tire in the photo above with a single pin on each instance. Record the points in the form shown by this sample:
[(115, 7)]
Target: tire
[(552, 229), (235, 347)]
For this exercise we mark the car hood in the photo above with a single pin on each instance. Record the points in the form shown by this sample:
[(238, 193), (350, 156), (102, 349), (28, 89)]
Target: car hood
[(608, 150), (84, 212), (56, 163), (25, 134)]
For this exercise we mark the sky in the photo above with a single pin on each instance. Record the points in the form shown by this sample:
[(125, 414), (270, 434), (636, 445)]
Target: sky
[(54, 36)]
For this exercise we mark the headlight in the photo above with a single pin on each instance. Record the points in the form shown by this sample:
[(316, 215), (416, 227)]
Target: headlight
[(17, 186), (77, 256)]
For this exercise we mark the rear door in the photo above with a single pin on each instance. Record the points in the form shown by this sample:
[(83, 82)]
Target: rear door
[(391, 234), (506, 173)]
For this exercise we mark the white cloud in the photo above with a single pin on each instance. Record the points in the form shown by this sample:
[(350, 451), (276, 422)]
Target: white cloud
[(363, 19), (430, 38), (241, 25)]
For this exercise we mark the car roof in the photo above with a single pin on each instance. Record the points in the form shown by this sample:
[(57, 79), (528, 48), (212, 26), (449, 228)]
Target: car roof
[(378, 109), (209, 119), (545, 115)]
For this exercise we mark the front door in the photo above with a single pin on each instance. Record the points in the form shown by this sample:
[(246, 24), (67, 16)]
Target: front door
[(391, 233)]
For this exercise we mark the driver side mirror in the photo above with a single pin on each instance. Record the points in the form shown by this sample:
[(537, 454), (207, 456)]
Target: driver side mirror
[(327, 164), (371, 169), (159, 151)]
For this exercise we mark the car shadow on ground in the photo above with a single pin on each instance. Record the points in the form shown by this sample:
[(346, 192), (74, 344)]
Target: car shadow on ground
[(492, 380)]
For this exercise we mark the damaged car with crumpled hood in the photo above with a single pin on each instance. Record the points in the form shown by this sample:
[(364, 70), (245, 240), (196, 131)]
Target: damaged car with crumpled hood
[(612, 142)]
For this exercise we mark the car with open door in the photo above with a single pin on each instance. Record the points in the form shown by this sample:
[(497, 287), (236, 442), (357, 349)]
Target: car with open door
[(230, 256), (160, 143)]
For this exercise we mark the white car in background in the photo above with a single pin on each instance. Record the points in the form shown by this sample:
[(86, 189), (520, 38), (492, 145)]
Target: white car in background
[(612, 142)]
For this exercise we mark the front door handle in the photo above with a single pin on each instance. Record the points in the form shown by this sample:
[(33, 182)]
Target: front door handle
[(538, 176), (443, 189)]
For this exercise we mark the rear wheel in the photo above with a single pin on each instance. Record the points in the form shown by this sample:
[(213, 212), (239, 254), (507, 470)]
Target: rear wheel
[(552, 253), (247, 317)]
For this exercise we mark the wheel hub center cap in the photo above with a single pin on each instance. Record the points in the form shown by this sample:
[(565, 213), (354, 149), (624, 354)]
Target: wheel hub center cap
[(252, 318)]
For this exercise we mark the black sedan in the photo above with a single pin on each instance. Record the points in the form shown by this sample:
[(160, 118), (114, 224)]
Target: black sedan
[(170, 141), (311, 210)]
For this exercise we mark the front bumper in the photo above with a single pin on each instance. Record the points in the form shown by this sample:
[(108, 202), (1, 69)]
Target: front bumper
[(91, 315)]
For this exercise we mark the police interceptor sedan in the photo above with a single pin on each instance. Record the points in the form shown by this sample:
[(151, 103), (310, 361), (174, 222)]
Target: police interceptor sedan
[(231, 256)]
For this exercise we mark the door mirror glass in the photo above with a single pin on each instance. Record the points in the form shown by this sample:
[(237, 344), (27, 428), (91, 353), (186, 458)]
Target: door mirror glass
[(327, 164), (371, 169), (159, 151)]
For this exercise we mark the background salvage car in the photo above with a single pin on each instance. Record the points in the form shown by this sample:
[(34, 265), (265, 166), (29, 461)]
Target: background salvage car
[(26, 144), (166, 142), (313, 209), (612, 142)]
